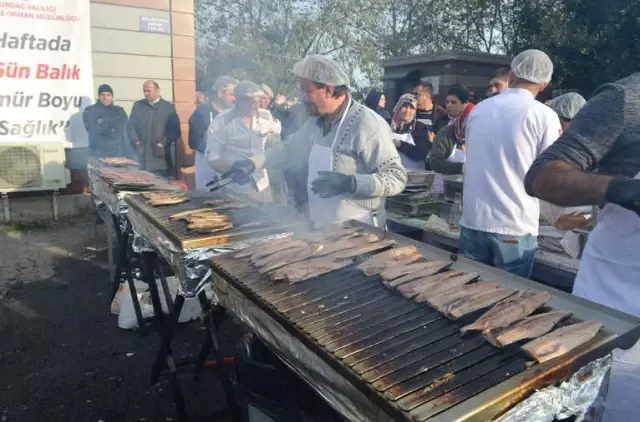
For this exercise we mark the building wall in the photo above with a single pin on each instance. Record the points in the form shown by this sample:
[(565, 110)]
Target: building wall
[(124, 56)]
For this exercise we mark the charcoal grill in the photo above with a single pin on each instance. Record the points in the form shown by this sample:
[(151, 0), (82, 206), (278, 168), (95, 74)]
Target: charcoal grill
[(406, 359), (251, 222)]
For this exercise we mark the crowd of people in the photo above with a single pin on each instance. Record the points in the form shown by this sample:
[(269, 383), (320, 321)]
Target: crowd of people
[(337, 159)]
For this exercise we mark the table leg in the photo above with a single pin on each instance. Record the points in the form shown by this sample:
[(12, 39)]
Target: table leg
[(122, 258), (132, 287), (214, 316), (165, 329), (110, 232)]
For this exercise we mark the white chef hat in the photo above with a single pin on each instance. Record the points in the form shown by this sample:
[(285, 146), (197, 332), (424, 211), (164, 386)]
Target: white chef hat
[(321, 69), (567, 105), (532, 66)]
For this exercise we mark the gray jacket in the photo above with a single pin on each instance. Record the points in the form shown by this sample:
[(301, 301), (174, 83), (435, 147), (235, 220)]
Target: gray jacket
[(150, 124), (364, 148)]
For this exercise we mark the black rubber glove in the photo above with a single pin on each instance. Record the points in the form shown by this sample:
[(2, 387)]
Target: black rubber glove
[(625, 192), (331, 184), (240, 172)]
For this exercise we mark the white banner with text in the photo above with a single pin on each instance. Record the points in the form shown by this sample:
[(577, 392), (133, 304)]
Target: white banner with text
[(45, 70)]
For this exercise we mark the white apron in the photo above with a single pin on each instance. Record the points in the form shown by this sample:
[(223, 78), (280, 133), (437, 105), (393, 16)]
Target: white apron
[(407, 162), (457, 156), (204, 172), (325, 211), (609, 271)]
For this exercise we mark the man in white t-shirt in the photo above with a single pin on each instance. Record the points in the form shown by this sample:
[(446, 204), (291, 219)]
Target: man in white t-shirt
[(505, 134)]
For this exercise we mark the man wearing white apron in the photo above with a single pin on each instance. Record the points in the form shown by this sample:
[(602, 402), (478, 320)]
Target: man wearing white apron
[(597, 162), (238, 134), (346, 148), (200, 122)]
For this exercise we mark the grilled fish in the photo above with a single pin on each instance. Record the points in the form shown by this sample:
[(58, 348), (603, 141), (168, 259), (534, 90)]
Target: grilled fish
[(508, 311), (295, 256), (465, 306), (531, 327), (398, 271), (260, 247), (183, 214), (371, 247), (436, 278), (438, 301), (376, 267), (392, 257), (276, 246), (308, 269), (428, 271), (562, 340), (442, 286), (211, 228), (330, 235), (168, 200)]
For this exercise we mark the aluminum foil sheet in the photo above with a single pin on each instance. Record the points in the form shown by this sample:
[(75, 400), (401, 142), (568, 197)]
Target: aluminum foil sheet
[(106, 194), (579, 396), (191, 266), (331, 386)]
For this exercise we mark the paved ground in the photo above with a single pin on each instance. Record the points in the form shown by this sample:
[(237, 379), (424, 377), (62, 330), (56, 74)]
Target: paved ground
[(62, 356)]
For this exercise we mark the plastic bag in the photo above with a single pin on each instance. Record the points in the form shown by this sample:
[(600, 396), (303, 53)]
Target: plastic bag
[(123, 290)]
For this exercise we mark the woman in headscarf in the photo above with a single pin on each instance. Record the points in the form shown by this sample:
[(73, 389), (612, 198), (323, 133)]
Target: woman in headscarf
[(376, 101), (410, 136), (448, 153)]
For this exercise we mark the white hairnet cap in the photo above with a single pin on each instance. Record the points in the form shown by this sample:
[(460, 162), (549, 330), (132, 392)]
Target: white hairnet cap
[(265, 88), (532, 66), (567, 105), (247, 89), (321, 69), (224, 82)]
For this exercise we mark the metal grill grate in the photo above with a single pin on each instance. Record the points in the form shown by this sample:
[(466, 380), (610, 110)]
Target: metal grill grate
[(20, 166), (249, 222), (406, 357), (409, 354)]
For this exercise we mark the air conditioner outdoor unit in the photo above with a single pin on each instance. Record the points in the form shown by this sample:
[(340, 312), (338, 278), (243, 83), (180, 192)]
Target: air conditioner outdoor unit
[(37, 166)]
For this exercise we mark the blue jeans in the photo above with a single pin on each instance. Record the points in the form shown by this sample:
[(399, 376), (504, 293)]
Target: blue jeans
[(510, 253)]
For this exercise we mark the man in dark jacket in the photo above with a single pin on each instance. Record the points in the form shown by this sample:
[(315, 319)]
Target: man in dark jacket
[(153, 129), (105, 123), (222, 98)]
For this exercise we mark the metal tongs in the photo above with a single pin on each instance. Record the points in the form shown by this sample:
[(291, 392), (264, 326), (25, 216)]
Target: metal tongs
[(221, 182)]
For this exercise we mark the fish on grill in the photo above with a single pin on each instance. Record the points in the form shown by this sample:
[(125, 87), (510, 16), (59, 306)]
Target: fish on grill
[(182, 214), (271, 245), (289, 257), (562, 340), (219, 201), (508, 311), (529, 328), (465, 306), (308, 269), (118, 161), (432, 269), (444, 285), (330, 235), (168, 200), (433, 278), (371, 247), (440, 300), (206, 226), (391, 258), (397, 271), (275, 246)]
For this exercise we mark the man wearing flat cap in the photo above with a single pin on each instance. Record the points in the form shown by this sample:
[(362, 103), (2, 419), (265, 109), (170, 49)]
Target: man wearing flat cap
[(504, 136), (105, 123), (346, 149)]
